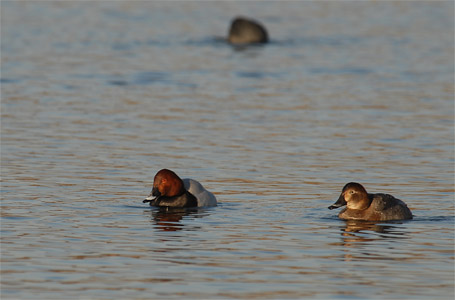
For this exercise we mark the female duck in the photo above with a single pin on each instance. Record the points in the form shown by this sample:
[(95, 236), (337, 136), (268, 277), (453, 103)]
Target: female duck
[(370, 207), (171, 191)]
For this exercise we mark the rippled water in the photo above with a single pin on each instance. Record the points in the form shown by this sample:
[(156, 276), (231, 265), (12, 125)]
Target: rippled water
[(97, 97)]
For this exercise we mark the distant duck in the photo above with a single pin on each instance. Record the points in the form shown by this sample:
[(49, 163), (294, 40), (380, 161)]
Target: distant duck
[(369, 207), (169, 190), (247, 31)]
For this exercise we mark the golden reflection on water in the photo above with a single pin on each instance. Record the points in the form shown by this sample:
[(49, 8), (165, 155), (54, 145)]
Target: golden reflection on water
[(273, 132)]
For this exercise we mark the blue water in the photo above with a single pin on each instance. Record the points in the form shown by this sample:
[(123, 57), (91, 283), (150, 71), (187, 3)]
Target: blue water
[(97, 97)]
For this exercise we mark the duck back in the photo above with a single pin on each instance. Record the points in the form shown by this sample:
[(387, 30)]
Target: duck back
[(204, 197), (389, 207)]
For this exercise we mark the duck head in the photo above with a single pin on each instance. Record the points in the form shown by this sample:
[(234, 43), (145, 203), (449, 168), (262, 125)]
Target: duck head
[(165, 184), (354, 196)]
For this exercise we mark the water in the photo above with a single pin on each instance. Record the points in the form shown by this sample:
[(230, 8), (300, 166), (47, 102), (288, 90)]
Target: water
[(97, 97)]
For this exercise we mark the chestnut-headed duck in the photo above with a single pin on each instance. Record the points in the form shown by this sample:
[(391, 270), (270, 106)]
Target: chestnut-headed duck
[(169, 190), (369, 207), (247, 31)]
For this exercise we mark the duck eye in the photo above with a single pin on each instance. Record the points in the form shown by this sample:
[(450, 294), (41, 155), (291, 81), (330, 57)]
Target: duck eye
[(351, 192)]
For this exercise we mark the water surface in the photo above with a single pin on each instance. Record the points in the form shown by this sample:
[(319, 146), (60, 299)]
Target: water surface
[(96, 98)]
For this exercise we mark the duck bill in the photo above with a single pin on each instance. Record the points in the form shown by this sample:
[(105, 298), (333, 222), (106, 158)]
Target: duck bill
[(340, 202), (154, 195), (149, 199)]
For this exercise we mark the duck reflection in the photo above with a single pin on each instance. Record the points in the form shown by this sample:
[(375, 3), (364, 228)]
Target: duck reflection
[(166, 219), (356, 229), (357, 236), (356, 232)]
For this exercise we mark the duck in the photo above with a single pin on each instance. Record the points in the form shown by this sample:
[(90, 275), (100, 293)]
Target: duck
[(369, 207), (170, 191), (247, 31)]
